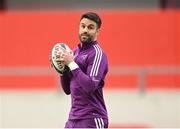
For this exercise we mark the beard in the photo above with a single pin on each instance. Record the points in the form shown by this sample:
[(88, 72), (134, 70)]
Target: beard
[(85, 38)]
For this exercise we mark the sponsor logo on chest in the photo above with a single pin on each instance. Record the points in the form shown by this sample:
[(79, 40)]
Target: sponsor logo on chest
[(83, 57)]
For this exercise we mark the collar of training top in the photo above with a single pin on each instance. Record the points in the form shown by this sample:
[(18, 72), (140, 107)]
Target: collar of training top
[(86, 45)]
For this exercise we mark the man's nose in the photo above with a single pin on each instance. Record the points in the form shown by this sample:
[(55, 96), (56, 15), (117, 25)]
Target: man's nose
[(85, 30)]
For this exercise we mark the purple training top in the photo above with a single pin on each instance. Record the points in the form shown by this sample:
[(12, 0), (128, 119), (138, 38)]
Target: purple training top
[(86, 82)]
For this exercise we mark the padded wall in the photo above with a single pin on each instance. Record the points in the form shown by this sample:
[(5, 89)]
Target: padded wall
[(135, 39)]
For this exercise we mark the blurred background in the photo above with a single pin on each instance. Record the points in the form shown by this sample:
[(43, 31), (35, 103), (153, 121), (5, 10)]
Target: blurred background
[(142, 42)]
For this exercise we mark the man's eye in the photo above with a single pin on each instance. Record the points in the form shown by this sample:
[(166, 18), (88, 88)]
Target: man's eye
[(90, 28), (82, 26)]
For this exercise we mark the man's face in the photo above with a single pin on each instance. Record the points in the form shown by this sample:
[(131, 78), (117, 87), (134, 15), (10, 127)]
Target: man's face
[(88, 30)]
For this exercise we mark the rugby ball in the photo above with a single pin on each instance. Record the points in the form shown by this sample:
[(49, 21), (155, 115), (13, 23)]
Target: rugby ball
[(56, 54)]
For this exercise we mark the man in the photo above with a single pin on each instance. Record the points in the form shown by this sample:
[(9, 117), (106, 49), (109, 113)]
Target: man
[(85, 79)]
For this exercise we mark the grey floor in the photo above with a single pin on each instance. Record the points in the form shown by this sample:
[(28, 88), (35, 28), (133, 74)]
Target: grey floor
[(49, 109)]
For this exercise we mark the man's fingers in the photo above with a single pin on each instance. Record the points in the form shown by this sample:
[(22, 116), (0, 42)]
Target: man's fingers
[(59, 59), (63, 50), (71, 53)]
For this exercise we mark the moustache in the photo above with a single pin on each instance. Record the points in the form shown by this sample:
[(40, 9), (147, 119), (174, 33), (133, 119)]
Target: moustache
[(84, 35)]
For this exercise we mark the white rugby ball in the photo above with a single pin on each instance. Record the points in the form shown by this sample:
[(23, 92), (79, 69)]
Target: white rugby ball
[(56, 53)]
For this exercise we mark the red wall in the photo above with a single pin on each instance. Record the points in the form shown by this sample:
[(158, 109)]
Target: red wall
[(144, 38)]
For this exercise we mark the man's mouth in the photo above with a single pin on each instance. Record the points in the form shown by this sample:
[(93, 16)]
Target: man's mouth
[(84, 36)]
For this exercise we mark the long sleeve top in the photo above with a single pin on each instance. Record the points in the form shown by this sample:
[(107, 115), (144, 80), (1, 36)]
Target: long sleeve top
[(85, 83)]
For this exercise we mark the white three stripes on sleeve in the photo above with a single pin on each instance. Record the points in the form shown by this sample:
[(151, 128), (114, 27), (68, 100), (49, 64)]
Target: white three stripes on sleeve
[(97, 61), (99, 123)]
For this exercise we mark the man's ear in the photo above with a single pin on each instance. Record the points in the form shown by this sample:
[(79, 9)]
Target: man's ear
[(98, 30)]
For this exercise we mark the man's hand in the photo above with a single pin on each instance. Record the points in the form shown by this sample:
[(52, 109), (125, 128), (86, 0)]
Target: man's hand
[(66, 57)]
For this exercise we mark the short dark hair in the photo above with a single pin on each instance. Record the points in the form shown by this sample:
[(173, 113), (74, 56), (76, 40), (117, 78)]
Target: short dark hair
[(92, 16)]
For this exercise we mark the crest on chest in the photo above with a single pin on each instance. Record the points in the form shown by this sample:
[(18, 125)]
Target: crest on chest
[(81, 58)]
